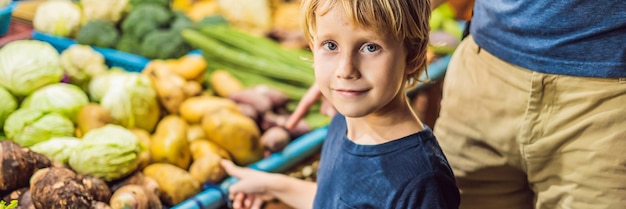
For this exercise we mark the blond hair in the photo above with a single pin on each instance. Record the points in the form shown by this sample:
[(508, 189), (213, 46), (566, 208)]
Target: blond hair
[(405, 20)]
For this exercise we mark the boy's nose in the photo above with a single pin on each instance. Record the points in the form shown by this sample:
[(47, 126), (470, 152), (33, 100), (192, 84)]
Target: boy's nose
[(347, 68)]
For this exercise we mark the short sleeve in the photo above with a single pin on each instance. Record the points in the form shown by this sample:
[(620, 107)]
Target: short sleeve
[(432, 190)]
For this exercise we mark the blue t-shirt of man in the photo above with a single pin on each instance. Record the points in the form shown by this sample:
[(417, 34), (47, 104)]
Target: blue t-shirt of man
[(411, 172), (568, 37)]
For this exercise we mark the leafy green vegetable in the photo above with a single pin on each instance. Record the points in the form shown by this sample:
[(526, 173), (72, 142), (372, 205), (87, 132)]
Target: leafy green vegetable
[(98, 33), (27, 65), (108, 152), (163, 3), (62, 98), (58, 149), (12, 205), (81, 63), (28, 126), (8, 104), (129, 97)]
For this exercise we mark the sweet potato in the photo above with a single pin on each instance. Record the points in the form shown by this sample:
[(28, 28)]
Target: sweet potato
[(275, 139), (96, 186), (276, 97), (260, 102), (59, 188), (134, 197), (18, 164), (248, 110)]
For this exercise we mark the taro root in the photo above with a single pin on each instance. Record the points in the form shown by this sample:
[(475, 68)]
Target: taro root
[(18, 164), (59, 188), (97, 187)]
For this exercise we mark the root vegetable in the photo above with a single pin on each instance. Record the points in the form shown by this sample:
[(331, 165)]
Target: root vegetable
[(192, 88), (277, 98), (200, 148), (169, 143), (93, 116), (224, 83), (298, 128), (195, 132), (190, 67), (175, 183), (59, 188), (134, 197), (236, 133), (100, 205), (18, 164), (138, 178), (249, 111), (208, 169), (167, 84), (275, 139), (97, 187), (261, 103), (194, 108), (23, 198)]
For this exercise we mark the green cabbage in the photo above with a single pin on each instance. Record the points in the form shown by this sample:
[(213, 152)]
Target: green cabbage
[(62, 98), (81, 63), (129, 97), (58, 149), (8, 105), (109, 152), (27, 65), (29, 126)]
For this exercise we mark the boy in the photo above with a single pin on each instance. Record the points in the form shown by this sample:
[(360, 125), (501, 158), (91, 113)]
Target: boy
[(377, 153)]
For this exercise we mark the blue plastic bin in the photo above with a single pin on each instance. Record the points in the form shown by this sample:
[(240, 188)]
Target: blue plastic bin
[(114, 58), (5, 18)]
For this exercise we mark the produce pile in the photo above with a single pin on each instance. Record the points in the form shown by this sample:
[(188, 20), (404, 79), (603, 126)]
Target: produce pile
[(125, 139)]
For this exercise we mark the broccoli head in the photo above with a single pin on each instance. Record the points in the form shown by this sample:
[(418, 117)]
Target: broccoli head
[(98, 33), (164, 44), (144, 19), (128, 43), (181, 21)]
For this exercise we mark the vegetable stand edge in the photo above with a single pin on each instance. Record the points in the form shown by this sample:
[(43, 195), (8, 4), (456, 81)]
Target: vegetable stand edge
[(298, 150)]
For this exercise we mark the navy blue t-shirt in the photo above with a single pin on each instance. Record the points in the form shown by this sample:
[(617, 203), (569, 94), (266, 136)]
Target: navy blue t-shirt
[(568, 37), (411, 172)]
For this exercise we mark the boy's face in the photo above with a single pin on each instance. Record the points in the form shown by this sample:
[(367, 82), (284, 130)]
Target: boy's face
[(359, 70)]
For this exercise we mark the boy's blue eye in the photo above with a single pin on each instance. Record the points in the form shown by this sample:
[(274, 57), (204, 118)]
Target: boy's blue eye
[(371, 48), (331, 45)]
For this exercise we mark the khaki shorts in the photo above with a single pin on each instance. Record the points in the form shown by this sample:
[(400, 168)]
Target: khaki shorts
[(522, 139)]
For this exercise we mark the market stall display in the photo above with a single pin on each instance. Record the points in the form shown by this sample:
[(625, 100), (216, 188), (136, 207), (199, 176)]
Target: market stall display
[(127, 128)]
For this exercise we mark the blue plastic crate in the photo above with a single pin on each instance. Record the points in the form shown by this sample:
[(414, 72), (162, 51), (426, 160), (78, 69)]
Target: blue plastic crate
[(114, 58), (5, 18)]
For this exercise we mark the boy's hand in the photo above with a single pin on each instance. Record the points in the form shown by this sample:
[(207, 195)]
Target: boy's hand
[(250, 191)]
